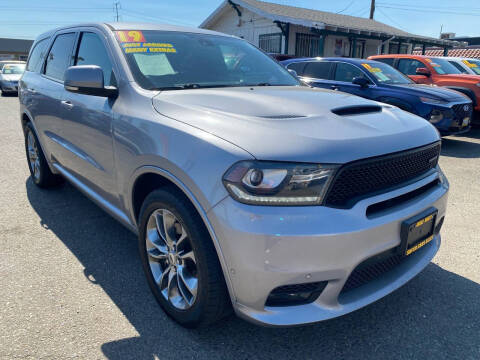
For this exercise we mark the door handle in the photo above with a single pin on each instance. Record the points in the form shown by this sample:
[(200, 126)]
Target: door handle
[(30, 90), (67, 103), (334, 87)]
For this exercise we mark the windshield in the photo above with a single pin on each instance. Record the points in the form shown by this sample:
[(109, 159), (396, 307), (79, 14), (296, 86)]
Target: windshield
[(473, 64), (13, 69), (385, 74), (174, 60), (442, 66)]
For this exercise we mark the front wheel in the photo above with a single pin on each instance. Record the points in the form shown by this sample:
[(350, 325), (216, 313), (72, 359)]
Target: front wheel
[(180, 261)]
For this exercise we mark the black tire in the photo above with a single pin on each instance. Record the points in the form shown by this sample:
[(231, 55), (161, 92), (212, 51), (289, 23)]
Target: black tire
[(45, 178), (212, 300)]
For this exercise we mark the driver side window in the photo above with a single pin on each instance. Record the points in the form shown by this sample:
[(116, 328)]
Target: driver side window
[(91, 51), (409, 66), (347, 72)]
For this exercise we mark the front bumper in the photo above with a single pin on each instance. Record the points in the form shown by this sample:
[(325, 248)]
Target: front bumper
[(456, 120), (8, 87), (267, 247)]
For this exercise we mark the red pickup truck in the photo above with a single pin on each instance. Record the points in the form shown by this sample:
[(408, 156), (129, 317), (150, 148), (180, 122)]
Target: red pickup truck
[(435, 71)]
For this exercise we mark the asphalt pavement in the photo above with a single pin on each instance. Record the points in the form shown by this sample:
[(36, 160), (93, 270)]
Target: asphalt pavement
[(72, 287)]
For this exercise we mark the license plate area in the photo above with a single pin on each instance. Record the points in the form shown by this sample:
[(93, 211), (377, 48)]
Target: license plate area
[(417, 231)]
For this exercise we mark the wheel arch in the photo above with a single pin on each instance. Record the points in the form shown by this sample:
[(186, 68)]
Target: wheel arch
[(149, 178), (398, 103)]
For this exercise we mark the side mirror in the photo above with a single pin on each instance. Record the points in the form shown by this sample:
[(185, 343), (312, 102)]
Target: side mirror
[(423, 71), (293, 72), (361, 81), (88, 80)]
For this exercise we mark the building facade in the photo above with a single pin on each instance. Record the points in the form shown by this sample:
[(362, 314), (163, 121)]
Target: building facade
[(282, 29), (14, 49)]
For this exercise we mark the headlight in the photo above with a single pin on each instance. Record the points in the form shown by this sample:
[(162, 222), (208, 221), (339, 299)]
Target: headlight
[(478, 84), (275, 183), (432, 101), (436, 116)]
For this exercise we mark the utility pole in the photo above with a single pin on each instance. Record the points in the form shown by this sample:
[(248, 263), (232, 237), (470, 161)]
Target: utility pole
[(372, 9), (116, 8)]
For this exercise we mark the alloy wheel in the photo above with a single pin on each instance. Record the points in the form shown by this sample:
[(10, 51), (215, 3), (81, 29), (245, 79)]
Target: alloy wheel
[(171, 258), (33, 155)]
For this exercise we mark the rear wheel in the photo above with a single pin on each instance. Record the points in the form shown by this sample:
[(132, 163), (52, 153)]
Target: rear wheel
[(180, 261), (37, 164)]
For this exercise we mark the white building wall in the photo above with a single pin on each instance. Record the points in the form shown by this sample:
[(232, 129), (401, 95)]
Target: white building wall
[(250, 26)]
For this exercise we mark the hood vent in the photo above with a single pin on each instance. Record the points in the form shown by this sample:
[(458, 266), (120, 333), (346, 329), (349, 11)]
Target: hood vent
[(281, 116), (356, 110)]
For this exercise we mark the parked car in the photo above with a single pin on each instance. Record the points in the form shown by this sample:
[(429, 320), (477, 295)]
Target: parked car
[(3, 62), (435, 71), (449, 111), (465, 65), (245, 187), (9, 76)]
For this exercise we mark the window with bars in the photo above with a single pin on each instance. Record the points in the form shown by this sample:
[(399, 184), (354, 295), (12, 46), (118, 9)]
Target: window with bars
[(271, 43), (307, 45)]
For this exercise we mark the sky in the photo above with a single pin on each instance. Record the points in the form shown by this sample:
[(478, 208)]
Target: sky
[(26, 19)]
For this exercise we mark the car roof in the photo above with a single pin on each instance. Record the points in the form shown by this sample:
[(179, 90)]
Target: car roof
[(12, 62), (456, 58), (114, 26), (411, 56), (348, 60)]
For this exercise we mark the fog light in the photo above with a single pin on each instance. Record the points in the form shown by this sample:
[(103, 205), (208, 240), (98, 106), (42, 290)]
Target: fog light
[(436, 116), (297, 294)]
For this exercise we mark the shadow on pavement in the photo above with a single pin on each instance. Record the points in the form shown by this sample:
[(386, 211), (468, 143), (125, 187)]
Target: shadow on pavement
[(436, 315), (461, 147)]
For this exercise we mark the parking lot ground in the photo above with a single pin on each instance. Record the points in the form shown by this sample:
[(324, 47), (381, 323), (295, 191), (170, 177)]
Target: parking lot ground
[(72, 287)]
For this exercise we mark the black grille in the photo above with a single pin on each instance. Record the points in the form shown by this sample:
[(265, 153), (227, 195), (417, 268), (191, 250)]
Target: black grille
[(295, 294), (362, 178), (373, 268), (460, 111), (297, 288)]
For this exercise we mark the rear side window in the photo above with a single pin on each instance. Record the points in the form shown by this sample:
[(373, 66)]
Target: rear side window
[(409, 66), (388, 61), (346, 72), (458, 66), (298, 67), (92, 51), (37, 55), (59, 56), (318, 70)]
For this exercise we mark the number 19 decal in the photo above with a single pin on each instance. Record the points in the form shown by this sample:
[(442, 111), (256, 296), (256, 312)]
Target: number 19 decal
[(130, 36)]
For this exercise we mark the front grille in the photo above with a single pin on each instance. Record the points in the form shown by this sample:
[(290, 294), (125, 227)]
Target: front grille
[(367, 177), (373, 268), (460, 111)]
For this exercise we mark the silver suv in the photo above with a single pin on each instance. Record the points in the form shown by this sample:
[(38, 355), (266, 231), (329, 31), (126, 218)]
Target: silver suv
[(245, 187)]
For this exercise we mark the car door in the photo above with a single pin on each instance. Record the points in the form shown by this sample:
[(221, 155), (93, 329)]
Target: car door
[(344, 73), (47, 92), (409, 67), (318, 74), (87, 124)]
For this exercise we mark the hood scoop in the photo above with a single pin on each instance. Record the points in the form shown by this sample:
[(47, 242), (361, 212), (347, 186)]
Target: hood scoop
[(356, 110), (281, 116)]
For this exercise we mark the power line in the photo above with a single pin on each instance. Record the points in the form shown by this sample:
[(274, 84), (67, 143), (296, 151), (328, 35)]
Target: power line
[(347, 7), (137, 14), (439, 7), (56, 9), (393, 21), (429, 10)]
